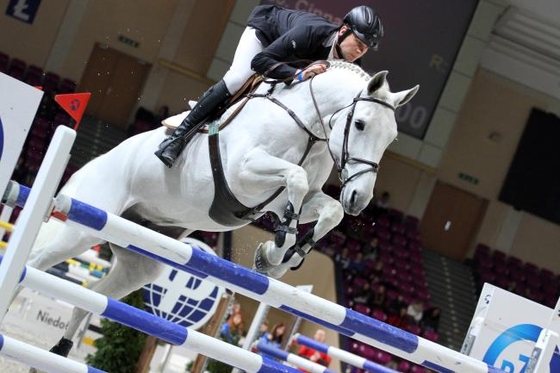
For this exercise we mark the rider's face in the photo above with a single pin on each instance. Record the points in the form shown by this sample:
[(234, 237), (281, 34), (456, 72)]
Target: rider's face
[(352, 48)]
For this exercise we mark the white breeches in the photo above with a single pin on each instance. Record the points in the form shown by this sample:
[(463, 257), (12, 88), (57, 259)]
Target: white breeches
[(240, 70)]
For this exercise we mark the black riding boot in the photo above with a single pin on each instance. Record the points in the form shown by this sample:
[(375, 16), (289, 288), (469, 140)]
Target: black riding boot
[(213, 100)]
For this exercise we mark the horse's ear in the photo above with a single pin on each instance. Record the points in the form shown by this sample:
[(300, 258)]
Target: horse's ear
[(403, 97), (377, 81)]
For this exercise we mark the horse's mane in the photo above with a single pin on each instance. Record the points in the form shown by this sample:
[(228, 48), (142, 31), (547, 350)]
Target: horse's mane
[(341, 64)]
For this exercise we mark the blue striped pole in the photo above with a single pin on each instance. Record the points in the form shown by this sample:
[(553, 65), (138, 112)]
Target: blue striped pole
[(147, 323), (342, 355), (292, 358), (41, 359), (270, 291)]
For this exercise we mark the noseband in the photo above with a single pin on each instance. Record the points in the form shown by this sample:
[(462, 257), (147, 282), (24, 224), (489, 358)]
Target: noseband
[(345, 156)]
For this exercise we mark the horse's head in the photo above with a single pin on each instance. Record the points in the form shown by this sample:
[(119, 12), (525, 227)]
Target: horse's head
[(359, 138)]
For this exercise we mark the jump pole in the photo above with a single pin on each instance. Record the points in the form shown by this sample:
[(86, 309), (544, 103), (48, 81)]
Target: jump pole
[(294, 359), (41, 359), (260, 287), (147, 323), (344, 356)]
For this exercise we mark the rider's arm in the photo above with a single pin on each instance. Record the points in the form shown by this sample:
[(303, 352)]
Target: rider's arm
[(296, 48)]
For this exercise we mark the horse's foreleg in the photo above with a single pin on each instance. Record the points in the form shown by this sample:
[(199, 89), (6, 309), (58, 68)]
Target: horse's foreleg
[(263, 171), (328, 213)]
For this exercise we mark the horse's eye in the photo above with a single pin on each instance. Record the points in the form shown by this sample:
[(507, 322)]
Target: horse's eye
[(360, 125)]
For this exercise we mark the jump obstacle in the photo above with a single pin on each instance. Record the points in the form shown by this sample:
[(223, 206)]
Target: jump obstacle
[(39, 205), (255, 285), (145, 322), (294, 359), (4, 227), (318, 368), (342, 355)]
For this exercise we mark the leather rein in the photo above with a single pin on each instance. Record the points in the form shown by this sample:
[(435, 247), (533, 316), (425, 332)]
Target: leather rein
[(242, 212)]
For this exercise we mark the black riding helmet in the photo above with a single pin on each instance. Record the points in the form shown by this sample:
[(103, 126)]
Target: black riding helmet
[(365, 23)]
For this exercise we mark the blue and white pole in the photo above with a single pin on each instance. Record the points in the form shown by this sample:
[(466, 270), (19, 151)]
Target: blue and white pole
[(293, 359), (145, 322), (344, 356), (41, 359), (257, 286)]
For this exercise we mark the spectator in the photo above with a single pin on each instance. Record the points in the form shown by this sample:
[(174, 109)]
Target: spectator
[(263, 329), (378, 298), (232, 331), (343, 259), (370, 250), (415, 311), (382, 203), (430, 319), (276, 337), (356, 265), (235, 308), (364, 295), (314, 355), (396, 312)]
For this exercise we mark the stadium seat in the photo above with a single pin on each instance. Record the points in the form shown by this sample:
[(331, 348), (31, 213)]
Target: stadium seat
[(4, 62)]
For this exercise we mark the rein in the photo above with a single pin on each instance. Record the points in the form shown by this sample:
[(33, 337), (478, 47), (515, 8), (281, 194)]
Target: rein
[(228, 202)]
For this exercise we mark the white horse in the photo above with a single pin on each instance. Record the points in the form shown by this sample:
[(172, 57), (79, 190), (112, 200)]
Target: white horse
[(276, 154)]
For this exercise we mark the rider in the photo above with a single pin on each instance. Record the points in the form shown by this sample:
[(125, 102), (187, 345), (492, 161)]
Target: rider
[(274, 34)]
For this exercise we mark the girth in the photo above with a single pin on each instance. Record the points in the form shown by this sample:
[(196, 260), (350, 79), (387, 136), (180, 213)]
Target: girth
[(226, 208)]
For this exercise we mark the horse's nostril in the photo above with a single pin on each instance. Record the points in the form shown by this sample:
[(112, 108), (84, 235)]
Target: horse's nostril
[(353, 199)]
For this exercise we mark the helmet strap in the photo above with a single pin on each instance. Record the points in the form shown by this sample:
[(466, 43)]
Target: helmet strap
[(339, 40)]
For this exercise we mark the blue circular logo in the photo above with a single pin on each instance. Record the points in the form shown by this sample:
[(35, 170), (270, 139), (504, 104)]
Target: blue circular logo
[(183, 298), (521, 332)]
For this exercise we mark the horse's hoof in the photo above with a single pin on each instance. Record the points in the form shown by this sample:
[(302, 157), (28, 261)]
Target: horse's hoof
[(261, 264), (278, 271)]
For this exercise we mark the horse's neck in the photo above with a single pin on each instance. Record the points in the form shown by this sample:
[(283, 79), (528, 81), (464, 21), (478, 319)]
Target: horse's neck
[(315, 101)]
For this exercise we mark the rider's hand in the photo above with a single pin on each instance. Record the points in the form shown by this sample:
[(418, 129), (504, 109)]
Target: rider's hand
[(311, 70)]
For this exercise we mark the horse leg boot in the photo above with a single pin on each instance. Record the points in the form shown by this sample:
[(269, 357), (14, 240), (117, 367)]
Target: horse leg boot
[(267, 256), (213, 100)]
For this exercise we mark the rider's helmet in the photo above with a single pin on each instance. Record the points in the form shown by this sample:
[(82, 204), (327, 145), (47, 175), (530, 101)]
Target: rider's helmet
[(365, 24)]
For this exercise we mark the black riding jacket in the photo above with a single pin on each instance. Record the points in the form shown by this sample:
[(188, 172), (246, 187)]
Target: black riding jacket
[(291, 36)]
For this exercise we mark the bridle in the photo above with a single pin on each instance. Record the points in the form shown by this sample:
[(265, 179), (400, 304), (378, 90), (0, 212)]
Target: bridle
[(345, 156), (236, 209), (313, 138)]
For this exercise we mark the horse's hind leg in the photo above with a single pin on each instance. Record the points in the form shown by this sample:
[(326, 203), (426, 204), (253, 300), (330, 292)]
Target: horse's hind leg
[(328, 213), (130, 272)]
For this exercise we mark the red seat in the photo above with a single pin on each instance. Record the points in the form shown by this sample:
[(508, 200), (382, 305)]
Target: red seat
[(379, 315), (414, 329), (403, 366), (362, 308), (382, 357), (430, 335), (417, 369), (51, 82), (4, 62), (399, 240), (17, 66), (398, 228), (67, 86)]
